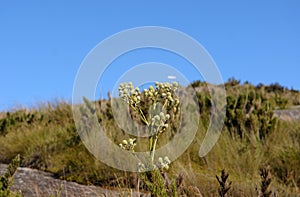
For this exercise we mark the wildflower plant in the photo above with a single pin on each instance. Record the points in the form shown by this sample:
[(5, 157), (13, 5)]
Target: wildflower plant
[(155, 107), (163, 104)]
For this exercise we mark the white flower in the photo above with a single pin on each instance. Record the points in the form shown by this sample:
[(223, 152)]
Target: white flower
[(160, 160), (157, 117), (167, 160), (167, 116), (166, 167), (170, 98), (131, 141), (141, 167), (151, 88), (175, 84)]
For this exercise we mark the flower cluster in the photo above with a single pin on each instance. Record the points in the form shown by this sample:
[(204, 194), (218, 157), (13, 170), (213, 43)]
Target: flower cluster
[(129, 94), (162, 91), (128, 145), (163, 163), (159, 122), (141, 167), (163, 104)]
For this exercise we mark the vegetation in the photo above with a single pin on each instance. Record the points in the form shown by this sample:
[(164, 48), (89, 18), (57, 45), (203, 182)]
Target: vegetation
[(265, 182), (6, 181), (224, 186), (47, 139), (162, 105)]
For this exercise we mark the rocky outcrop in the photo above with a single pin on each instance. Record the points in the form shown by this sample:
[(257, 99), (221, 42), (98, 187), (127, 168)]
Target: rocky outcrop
[(31, 183), (288, 114)]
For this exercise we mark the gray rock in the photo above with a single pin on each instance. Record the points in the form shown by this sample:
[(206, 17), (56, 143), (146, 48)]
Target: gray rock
[(288, 114), (31, 183)]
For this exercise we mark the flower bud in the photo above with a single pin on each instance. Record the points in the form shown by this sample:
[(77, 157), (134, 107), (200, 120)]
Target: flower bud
[(157, 117), (151, 88), (166, 167), (134, 99), (123, 85), (162, 115), (167, 116), (170, 98), (160, 160), (167, 160), (131, 141)]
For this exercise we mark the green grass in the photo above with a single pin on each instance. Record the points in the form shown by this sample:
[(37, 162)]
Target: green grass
[(46, 139)]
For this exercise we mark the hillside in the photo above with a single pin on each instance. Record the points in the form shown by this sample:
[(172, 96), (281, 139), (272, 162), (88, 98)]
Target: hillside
[(252, 137)]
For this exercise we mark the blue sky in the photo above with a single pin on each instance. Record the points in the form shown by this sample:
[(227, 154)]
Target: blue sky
[(43, 43)]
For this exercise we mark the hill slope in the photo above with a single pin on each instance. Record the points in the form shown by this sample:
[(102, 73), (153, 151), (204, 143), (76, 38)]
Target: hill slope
[(47, 139)]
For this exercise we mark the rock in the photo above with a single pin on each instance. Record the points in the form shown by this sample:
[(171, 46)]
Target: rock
[(31, 183), (288, 114)]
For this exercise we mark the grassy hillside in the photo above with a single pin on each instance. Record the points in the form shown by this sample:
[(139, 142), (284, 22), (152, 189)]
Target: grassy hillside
[(252, 138)]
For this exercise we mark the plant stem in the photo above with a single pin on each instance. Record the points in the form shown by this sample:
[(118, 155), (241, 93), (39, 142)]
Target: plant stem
[(151, 144), (143, 117), (138, 110), (153, 149)]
